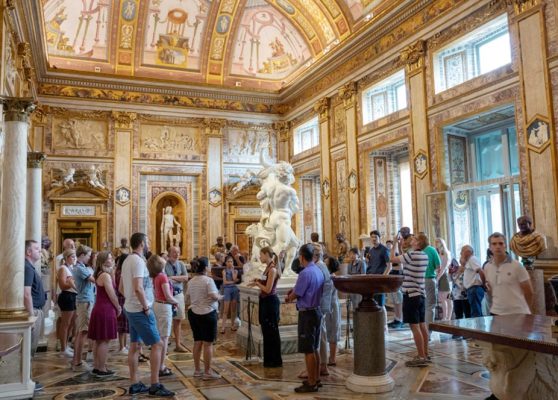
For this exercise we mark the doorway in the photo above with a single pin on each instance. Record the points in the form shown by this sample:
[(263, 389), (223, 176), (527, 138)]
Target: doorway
[(81, 232)]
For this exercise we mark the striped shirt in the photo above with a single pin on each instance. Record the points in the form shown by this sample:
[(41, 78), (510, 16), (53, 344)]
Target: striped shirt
[(414, 264)]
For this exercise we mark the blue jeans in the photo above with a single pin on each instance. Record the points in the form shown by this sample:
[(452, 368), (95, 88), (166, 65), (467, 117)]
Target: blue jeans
[(475, 295)]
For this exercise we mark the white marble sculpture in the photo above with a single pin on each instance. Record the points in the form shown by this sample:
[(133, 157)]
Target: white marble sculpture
[(168, 236), (66, 178), (278, 201), (94, 177)]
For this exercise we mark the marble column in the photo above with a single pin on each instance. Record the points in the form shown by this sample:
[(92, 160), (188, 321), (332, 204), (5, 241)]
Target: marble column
[(348, 93), (322, 108), (413, 57), (12, 213), (33, 221), (215, 213), (123, 133)]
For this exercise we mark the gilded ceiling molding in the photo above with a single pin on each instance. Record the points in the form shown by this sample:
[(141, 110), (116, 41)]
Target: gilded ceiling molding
[(35, 159), (347, 93), (413, 57), (322, 108), (138, 97), (522, 6), (124, 120), (129, 11), (17, 109), (283, 129), (214, 126)]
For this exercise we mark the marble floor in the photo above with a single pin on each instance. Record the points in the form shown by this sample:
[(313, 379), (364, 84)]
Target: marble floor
[(456, 373)]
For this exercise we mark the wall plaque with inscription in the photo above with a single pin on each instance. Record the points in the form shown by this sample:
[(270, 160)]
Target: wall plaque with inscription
[(78, 211)]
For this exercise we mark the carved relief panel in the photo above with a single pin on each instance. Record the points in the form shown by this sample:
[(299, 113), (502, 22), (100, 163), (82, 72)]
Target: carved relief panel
[(78, 133), (340, 191), (164, 141), (339, 125), (243, 144)]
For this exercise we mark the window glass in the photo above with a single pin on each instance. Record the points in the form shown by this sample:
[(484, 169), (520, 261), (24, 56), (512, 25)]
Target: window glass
[(306, 136), (494, 53), (384, 98), (513, 151), (488, 148)]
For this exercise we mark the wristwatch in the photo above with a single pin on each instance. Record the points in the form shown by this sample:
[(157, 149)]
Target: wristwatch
[(146, 309)]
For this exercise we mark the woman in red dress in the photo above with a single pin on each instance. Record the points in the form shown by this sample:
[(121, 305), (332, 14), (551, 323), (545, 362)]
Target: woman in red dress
[(102, 325)]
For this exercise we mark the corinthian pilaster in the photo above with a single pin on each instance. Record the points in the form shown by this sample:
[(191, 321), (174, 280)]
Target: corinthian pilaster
[(283, 129), (12, 212)]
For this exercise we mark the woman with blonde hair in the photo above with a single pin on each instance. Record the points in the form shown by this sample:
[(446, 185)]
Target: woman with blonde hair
[(67, 299), (269, 309), (102, 326), (444, 289)]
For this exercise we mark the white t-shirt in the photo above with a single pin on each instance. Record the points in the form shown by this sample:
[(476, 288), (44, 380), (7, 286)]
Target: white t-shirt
[(471, 276), (507, 295), (198, 290), (134, 267)]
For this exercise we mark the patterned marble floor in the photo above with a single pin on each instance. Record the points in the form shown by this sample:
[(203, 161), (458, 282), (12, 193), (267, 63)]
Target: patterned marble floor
[(456, 373)]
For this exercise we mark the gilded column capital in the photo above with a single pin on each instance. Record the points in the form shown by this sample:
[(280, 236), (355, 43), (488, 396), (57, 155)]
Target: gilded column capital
[(123, 119), (347, 93), (39, 116), (35, 159), (521, 6), (17, 109), (282, 128), (322, 107), (213, 126), (413, 56)]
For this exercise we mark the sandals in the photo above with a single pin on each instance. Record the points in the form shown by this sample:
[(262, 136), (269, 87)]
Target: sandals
[(143, 358), (165, 372)]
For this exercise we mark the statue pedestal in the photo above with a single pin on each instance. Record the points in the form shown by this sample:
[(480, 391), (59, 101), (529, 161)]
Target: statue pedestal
[(288, 325), (15, 353), (537, 281)]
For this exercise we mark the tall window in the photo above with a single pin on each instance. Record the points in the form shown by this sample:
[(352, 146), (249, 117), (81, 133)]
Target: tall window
[(384, 98), (482, 172), (477, 53), (306, 136)]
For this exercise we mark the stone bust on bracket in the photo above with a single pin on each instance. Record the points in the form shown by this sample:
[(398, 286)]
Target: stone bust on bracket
[(527, 243)]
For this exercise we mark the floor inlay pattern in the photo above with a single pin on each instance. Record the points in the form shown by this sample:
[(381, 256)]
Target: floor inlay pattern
[(456, 372)]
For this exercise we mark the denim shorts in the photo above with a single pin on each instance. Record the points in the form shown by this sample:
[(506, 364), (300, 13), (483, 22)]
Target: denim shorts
[(230, 293), (143, 328)]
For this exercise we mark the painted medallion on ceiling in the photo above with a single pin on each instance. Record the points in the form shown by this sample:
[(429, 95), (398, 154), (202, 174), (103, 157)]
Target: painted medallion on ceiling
[(174, 33), (267, 45), (78, 28)]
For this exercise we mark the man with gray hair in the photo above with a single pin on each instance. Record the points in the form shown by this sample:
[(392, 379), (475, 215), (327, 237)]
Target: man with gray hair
[(473, 279)]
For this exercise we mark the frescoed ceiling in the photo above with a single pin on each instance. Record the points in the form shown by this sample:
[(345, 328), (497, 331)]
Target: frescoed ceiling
[(263, 45)]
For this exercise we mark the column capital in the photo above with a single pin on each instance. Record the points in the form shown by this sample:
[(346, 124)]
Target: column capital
[(17, 109), (347, 92), (413, 56), (213, 126), (123, 119), (322, 107), (35, 159), (522, 6), (282, 128)]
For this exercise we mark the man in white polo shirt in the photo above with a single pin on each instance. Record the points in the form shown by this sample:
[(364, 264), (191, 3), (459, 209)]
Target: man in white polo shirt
[(507, 280)]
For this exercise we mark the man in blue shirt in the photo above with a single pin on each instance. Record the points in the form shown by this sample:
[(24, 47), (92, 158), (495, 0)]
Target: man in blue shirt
[(308, 294), (85, 299)]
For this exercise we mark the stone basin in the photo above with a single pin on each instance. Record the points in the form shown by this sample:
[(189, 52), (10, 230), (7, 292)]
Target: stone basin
[(367, 285)]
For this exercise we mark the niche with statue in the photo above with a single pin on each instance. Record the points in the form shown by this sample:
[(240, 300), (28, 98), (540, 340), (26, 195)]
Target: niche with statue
[(168, 223)]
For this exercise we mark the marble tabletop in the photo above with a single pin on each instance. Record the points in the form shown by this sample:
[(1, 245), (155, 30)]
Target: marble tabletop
[(530, 332)]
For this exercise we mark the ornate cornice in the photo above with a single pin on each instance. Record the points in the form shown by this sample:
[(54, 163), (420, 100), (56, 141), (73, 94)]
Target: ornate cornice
[(322, 107), (347, 93), (35, 159), (124, 120), (283, 128), (413, 56), (213, 126), (17, 109)]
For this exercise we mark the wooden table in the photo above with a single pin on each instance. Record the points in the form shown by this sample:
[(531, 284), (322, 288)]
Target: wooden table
[(519, 351)]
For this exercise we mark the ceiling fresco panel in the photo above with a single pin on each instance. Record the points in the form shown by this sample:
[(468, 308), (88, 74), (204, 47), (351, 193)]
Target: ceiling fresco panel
[(267, 45), (78, 29), (175, 32)]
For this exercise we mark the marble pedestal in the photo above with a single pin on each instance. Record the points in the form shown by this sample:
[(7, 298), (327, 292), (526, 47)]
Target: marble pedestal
[(287, 325), (537, 281), (15, 356), (369, 374)]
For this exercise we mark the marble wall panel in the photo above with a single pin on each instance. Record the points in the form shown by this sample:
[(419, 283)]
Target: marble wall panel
[(243, 144), (170, 141)]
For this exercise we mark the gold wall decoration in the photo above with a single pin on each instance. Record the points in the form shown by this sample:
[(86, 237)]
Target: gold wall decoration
[(124, 120), (538, 133), (282, 129), (339, 124), (521, 6), (77, 133), (214, 126), (326, 188), (347, 93), (169, 139), (420, 164), (413, 56), (322, 107)]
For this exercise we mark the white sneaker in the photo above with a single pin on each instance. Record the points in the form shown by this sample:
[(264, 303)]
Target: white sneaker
[(89, 356), (68, 352), (124, 351), (237, 322), (81, 367)]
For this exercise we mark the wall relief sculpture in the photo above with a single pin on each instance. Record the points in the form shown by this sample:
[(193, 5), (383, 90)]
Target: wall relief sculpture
[(91, 176), (245, 145), (80, 134), (170, 139)]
